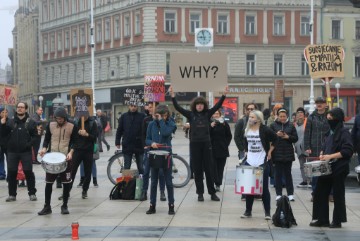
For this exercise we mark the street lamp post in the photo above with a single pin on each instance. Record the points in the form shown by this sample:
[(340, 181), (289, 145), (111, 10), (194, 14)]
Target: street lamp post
[(40, 100), (337, 86), (312, 101)]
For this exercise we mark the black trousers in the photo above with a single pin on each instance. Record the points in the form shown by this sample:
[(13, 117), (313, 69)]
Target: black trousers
[(321, 198), (219, 165), (201, 158), (283, 169), (86, 157)]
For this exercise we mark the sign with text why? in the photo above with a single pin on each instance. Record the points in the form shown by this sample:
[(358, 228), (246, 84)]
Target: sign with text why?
[(193, 72)]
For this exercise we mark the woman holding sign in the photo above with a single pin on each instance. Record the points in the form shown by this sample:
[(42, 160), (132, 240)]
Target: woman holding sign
[(200, 145)]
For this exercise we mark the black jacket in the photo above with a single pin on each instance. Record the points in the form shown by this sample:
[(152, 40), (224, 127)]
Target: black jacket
[(21, 134), (86, 143), (221, 137), (239, 133), (316, 128), (355, 134), (199, 121), (129, 132), (267, 136), (284, 150)]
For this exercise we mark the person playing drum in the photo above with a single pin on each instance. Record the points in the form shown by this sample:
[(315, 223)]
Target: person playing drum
[(59, 137), (338, 149), (159, 133), (258, 138)]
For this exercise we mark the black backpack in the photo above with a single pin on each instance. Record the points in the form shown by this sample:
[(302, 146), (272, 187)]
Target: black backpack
[(123, 190), (283, 216)]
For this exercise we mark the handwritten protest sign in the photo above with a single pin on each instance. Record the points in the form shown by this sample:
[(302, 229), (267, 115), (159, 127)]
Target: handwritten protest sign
[(325, 60), (8, 95), (193, 72), (154, 88), (81, 102), (134, 97)]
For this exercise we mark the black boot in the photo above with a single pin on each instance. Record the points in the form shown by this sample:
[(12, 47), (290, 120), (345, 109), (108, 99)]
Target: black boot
[(143, 196), (171, 209), (151, 210), (162, 196), (46, 210), (81, 182), (64, 209), (95, 182)]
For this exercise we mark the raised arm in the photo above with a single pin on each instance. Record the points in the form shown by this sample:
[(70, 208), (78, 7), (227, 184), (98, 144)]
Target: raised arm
[(177, 107)]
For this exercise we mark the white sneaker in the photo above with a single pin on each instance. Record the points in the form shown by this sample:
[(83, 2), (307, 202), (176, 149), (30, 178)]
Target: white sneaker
[(291, 198), (278, 197)]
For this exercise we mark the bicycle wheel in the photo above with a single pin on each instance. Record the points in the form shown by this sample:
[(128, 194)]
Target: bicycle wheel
[(180, 171), (115, 167)]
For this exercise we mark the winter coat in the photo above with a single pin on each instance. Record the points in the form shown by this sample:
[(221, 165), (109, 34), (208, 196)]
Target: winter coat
[(199, 121), (284, 150), (160, 131), (21, 134), (86, 143), (239, 133), (355, 134), (220, 136), (316, 128), (129, 132)]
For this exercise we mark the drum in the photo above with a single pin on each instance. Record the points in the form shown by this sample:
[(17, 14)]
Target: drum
[(317, 168), (54, 162), (249, 180), (159, 159)]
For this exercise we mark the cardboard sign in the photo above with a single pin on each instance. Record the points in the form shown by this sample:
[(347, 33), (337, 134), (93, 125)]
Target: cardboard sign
[(8, 95), (154, 88), (192, 72), (81, 102), (134, 97), (325, 60)]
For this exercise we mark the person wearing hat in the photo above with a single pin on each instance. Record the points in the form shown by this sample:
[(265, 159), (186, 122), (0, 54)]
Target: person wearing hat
[(316, 128), (59, 137), (158, 134), (283, 153), (20, 133), (300, 123), (337, 148), (3, 141)]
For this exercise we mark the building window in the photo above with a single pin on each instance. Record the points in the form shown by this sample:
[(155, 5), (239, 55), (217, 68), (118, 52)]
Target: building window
[(304, 66), (138, 66), (278, 64), (107, 29), (52, 9), (81, 5), (137, 23), (108, 68), (357, 29), (59, 41), (52, 43), (117, 27), (250, 64), (52, 74), (167, 63), (74, 38), (97, 3), (305, 25), (82, 36), (73, 7), (195, 21), (99, 69), (170, 22), (357, 67), (279, 28), (59, 8), (45, 45), (127, 65), (98, 32), (223, 24), (250, 22), (45, 11), (127, 26), (67, 40), (66, 7), (336, 29), (118, 67)]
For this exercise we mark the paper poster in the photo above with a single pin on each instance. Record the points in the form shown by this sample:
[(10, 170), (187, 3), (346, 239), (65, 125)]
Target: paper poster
[(154, 88), (81, 102), (134, 96), (8, 95)]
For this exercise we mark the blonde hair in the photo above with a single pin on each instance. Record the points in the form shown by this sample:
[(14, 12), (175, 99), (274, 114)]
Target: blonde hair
[(259, 117)]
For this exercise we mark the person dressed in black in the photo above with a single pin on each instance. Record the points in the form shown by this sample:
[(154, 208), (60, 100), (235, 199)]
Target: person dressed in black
[(200, 143), (37, 117), (20, 133), (338, 148), (221, 136), (283, 154)]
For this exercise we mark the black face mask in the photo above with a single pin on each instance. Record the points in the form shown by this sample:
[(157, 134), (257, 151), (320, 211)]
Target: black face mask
[(333, 124)]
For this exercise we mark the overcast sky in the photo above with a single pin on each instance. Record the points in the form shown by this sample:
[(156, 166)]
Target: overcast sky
[(7, 11)]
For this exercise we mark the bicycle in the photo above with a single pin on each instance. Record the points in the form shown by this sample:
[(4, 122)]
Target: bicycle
[(180, 168)]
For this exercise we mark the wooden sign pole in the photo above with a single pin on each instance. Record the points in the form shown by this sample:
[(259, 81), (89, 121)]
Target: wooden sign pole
[(82, 123)]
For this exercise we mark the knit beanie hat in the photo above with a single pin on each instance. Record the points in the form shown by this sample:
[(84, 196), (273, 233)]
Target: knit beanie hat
[(60, 112)]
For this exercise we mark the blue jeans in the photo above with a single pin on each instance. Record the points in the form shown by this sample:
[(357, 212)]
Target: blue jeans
[(168, 182), (146, 175), (2, 163), (139, 159), (266, 193), (93, 171)]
